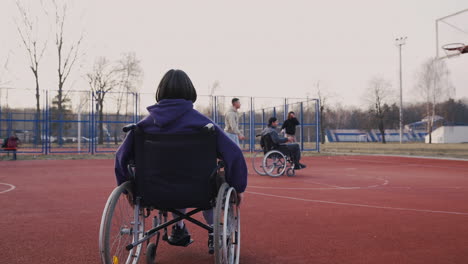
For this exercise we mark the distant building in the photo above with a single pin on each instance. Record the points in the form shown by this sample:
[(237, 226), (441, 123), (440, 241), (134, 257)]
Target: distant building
[(449, 134), (422, 125)]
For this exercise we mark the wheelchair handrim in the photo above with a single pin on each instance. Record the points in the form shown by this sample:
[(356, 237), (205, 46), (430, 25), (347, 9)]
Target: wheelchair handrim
[(133, 255), (231, 258), (261, 170), (269, 169)]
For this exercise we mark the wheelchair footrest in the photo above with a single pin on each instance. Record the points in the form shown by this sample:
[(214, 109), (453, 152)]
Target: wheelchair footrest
[(181, 243)]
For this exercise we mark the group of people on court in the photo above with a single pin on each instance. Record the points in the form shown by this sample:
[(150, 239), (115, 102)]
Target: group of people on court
[(173, 113), (232, 130)]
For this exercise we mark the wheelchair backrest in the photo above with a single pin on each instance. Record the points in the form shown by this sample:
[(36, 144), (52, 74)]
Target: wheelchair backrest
[(175, 170), (267, 143)]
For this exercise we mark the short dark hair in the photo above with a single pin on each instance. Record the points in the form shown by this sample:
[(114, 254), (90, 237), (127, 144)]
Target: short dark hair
[(176, 84), (271, 120), (234, 100), (289, 114)]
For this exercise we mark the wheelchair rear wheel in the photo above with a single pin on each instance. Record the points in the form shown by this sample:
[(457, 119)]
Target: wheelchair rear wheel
[(122, 223), (257, 163), (227, 227), (274, 163)]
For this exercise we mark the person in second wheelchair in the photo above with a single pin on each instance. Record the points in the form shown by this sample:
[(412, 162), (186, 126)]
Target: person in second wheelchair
[(293, 148), (174, 114)]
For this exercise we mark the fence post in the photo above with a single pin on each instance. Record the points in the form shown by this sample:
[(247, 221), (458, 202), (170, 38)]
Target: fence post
[(212, 99), (263, 117), (302, 126), (90, 122), (215, 111), (137, 107), (46, 142), (9, 123), (243, 122), (93, 125), (252, 125), (318, 122), (286, 108)]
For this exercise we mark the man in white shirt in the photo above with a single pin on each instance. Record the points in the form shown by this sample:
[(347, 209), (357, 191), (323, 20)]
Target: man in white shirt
[(231, 119)]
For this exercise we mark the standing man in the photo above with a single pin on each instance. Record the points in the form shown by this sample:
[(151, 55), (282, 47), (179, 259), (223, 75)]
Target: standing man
[(231, 118)]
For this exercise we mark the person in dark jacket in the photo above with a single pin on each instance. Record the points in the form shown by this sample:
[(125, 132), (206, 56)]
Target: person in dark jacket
[(11, 144), (174, 114), (293, 148), (289, 126)]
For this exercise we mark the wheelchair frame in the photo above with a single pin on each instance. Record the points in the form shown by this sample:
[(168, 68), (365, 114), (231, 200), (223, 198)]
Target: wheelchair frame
[(274, 162), (226, 225)]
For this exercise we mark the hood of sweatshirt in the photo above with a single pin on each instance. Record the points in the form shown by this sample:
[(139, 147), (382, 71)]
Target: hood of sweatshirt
[(168, 111)]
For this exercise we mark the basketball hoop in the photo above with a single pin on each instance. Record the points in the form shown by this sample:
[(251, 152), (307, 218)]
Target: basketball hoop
[(454, 49)]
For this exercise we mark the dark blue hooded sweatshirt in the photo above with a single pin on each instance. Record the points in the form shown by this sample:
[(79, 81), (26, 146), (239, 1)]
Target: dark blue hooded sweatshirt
[(177, 116)]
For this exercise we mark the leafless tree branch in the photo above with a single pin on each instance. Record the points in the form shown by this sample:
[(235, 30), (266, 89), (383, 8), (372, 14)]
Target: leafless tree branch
[(434, 85)]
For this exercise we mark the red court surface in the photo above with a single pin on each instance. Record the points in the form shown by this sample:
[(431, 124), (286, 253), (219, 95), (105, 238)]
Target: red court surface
[(342, 209)]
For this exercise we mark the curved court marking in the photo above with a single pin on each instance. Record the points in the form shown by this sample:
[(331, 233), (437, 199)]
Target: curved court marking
[(361, 205), (12, 187), (331, 187)]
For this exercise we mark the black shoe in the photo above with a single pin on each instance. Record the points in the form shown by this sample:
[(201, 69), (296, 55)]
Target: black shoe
[(297, 166), (179, 236), (210, 244), (302, 166)]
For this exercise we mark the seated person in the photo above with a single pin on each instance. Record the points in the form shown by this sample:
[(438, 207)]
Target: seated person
[(173, 113), (11, 144), (293, 148)]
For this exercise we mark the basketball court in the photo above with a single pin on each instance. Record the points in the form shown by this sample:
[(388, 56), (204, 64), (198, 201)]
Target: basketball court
[(341, 209)]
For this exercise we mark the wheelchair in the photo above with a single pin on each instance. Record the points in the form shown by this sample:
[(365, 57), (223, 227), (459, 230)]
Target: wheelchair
[(273, 160), (160, 184)]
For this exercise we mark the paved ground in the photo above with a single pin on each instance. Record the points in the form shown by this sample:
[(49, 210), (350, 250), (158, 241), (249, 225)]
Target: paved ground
[(341, 209)]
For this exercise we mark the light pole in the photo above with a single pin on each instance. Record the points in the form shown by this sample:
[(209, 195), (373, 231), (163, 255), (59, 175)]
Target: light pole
[(399, 42)]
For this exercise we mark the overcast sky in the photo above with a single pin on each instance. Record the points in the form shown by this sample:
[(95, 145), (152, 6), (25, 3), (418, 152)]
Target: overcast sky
[(258, 48)]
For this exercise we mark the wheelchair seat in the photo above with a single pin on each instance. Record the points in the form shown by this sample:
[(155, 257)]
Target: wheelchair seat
[(162, 181)]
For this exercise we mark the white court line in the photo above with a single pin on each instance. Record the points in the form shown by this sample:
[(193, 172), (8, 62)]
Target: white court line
[(12, 187), (303, 188), (319, 183), (360, 205), (408, 164), (390, 155), (333, 187)]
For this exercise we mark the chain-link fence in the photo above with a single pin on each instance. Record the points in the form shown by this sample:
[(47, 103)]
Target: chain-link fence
[(87, 122)]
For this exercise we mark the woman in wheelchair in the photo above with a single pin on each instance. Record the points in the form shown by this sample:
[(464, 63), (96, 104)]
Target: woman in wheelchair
[(292, 148), (174, 114)]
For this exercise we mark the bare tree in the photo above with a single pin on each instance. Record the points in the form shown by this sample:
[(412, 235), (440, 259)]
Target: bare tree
[(433, 83), (101, 80), (28, 30), (67, 51), (323, 100), (130, 75), (4, 70), (377, 95)]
